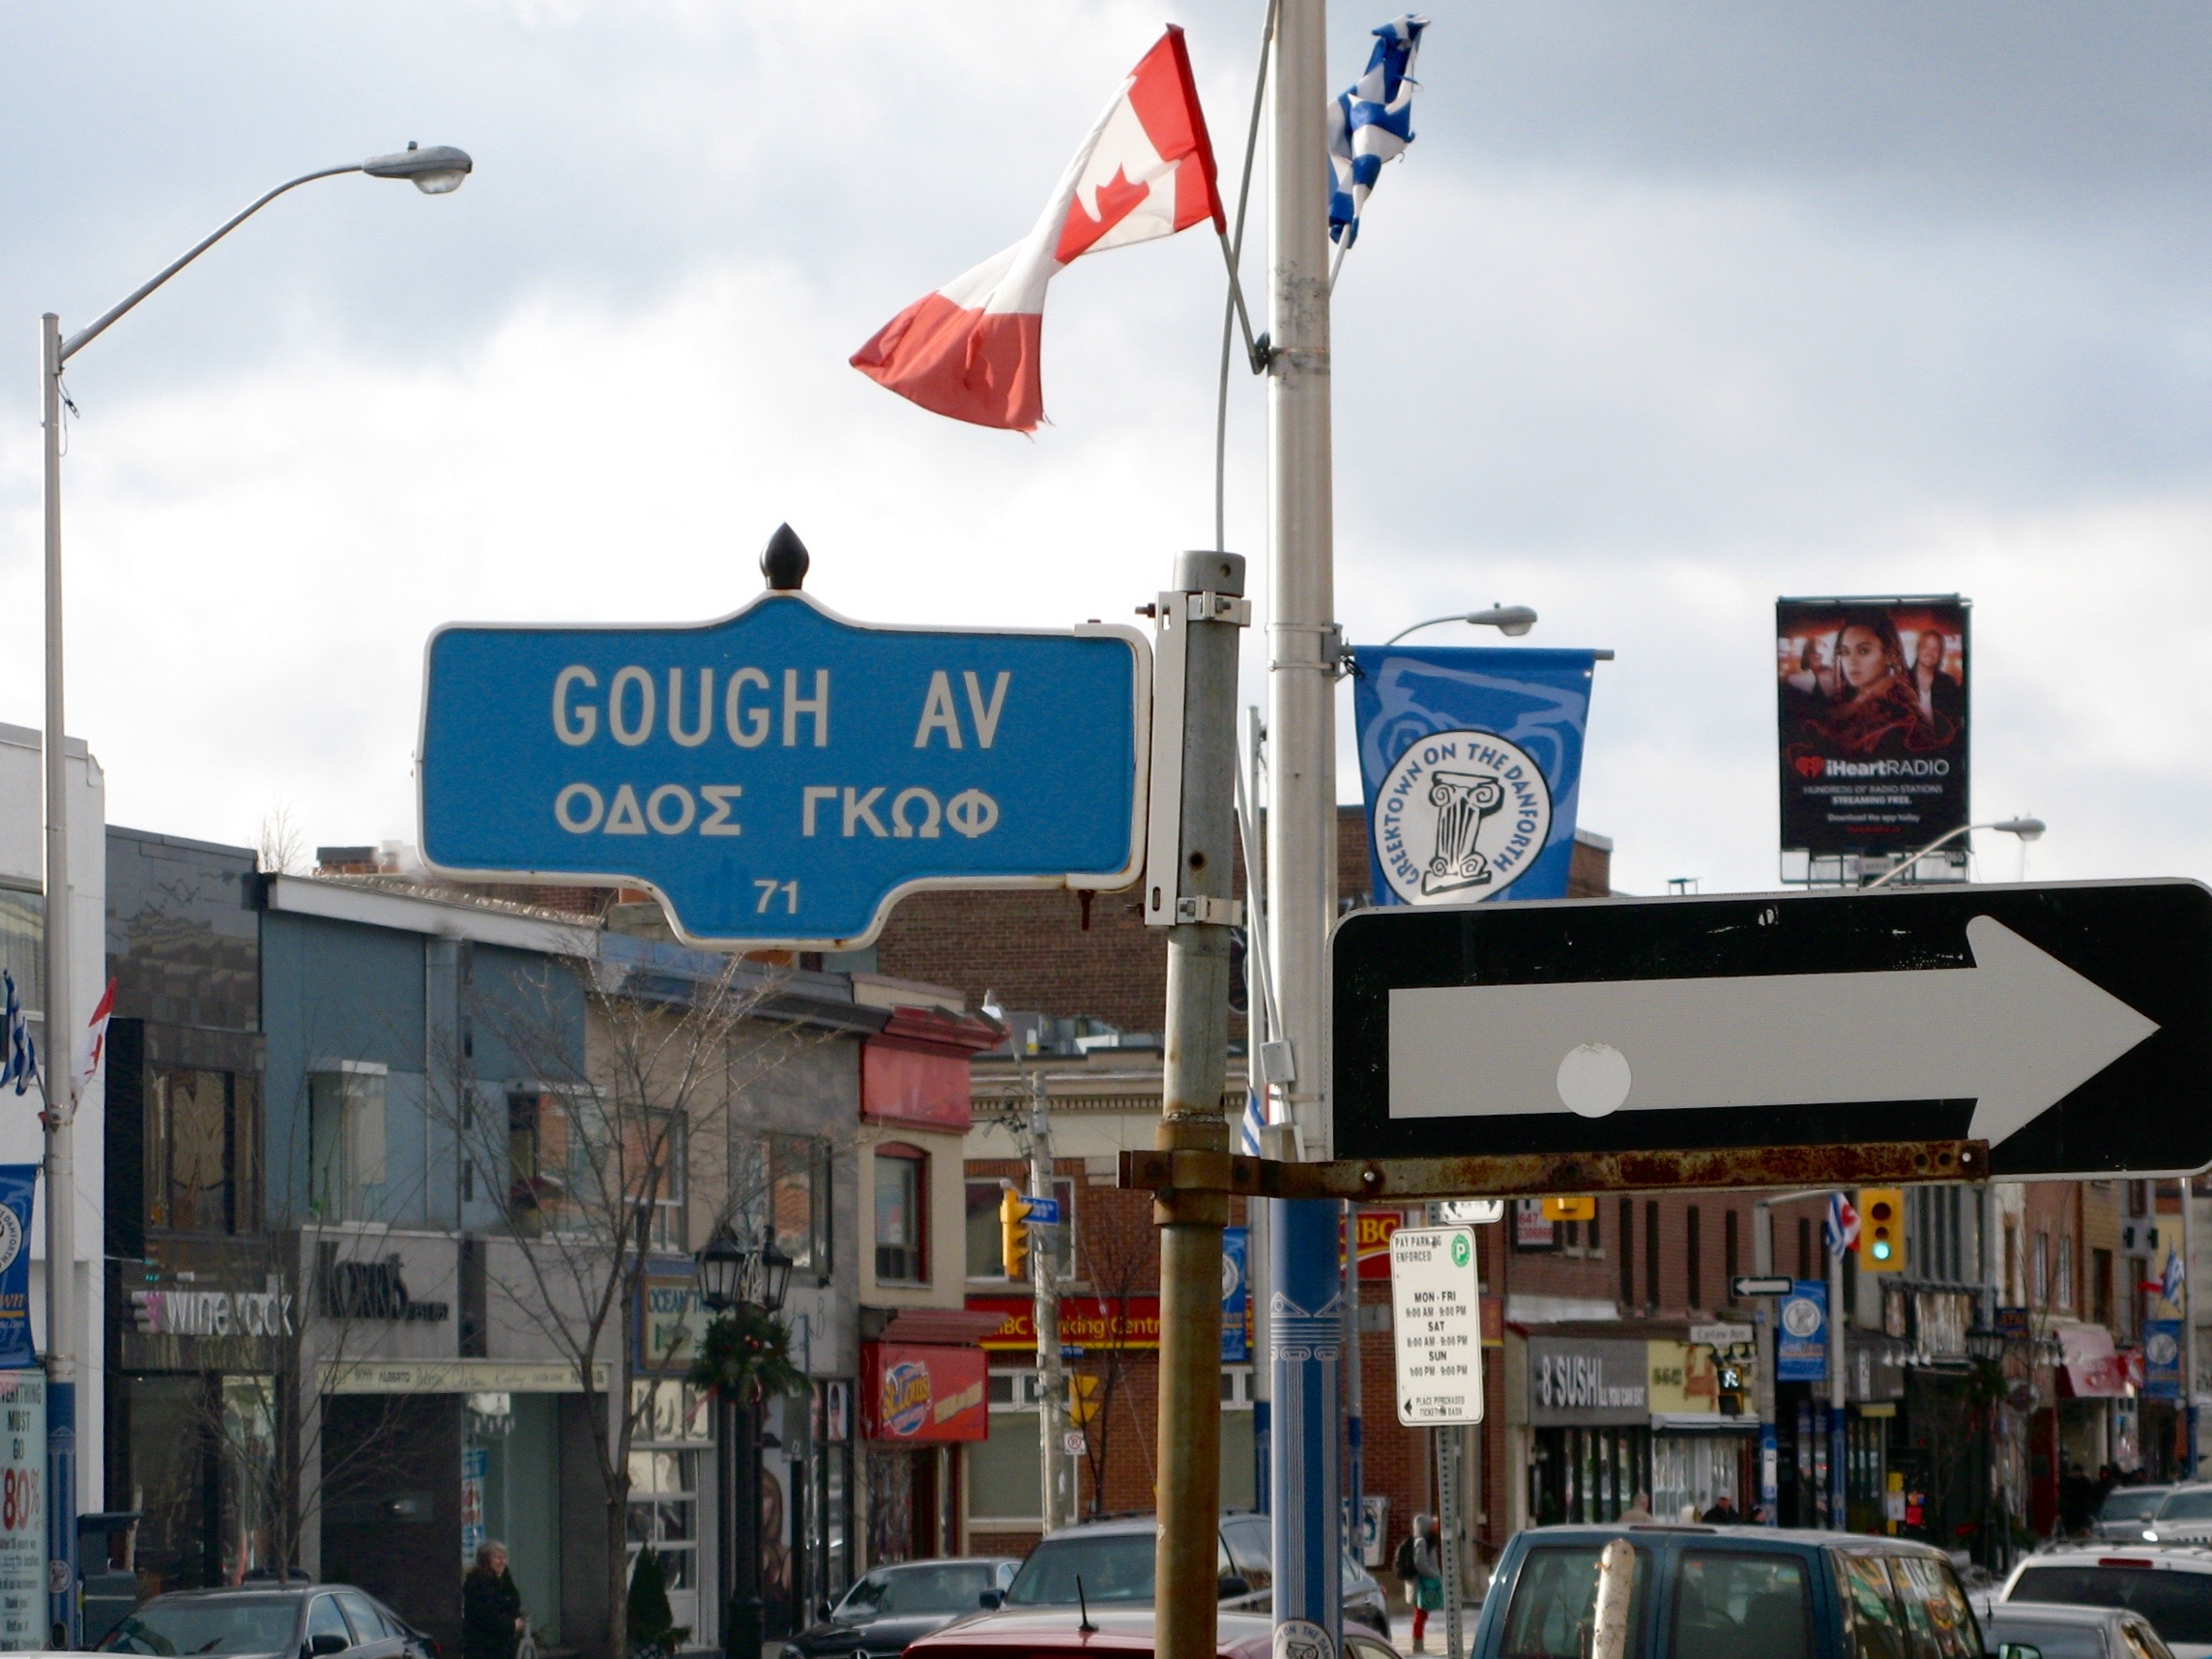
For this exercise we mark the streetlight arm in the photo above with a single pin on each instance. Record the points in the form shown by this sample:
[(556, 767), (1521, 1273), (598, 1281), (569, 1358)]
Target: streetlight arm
[(85, 335), (1455, 616), (1948, 835)]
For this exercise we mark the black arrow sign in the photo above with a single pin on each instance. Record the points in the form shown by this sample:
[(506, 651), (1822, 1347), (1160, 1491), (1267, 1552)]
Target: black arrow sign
[(2069, 1025)]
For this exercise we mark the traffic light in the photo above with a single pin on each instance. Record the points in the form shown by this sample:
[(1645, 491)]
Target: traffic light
[(1570, 1209), (1731, 1383), (1882, 1230), (1082, 1397), (1014, 1234)]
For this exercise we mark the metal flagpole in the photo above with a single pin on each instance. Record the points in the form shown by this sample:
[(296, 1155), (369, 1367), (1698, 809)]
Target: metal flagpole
[(1306, 1333)]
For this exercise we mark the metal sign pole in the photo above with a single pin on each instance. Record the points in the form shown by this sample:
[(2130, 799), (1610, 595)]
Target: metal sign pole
[(1191, 878), (1450, 1509), (1044, 1314), (1837, 1393)]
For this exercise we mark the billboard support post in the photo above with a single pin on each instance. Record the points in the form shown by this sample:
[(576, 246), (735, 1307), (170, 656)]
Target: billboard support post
[(1206, 608)]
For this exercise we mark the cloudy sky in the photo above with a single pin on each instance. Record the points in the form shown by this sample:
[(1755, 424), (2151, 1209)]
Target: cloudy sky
[(1672, 308)]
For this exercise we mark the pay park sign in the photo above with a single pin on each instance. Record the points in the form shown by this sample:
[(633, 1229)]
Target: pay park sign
[(782, 775)]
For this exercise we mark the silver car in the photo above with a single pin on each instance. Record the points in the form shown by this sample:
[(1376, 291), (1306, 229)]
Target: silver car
[(2057, 1631), (2126, 1511)]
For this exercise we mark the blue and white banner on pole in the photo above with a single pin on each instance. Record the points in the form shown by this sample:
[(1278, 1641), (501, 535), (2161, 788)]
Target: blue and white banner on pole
[(1235, 1296), (1801, 1343), (1470, 759), (19, 1183)]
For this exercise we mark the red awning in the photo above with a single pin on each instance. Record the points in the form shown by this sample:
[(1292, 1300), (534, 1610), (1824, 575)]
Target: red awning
[(2090, 1368)]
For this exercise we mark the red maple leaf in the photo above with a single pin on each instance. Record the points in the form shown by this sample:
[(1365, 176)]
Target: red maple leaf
[(1117, 199)]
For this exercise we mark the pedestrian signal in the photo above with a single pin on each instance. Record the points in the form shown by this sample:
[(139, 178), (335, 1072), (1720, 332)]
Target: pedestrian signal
[(1083, 1400), (1882, 1229), (1014, 1234), (1570, 1209)]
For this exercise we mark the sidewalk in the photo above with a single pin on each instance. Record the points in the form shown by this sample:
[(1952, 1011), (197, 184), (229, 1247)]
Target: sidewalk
[(1402, 1630)]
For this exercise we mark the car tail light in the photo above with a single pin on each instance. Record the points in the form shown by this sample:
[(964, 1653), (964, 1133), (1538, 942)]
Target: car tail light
[(2122, 1562)]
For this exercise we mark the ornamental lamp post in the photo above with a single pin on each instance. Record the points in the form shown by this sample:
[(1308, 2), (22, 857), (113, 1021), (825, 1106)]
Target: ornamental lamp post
[(734, 1278)]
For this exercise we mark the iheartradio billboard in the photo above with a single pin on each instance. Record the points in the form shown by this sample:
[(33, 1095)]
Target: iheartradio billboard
[(1873, 697)]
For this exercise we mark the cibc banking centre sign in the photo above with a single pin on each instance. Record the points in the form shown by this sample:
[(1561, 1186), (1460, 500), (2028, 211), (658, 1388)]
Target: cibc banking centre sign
[(782, 775)]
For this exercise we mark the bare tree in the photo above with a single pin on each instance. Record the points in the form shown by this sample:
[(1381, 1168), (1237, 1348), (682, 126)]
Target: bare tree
[(638, 1077), (281, 848), (1119, 1255)]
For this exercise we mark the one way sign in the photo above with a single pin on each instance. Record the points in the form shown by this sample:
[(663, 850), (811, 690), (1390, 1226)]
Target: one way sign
[(2068, 1026)]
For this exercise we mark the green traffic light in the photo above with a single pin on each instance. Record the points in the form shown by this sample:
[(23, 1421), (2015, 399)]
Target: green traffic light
[(1882, 1250)]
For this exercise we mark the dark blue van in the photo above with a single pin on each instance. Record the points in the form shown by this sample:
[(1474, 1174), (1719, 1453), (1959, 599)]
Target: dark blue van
[(1733, 1592)]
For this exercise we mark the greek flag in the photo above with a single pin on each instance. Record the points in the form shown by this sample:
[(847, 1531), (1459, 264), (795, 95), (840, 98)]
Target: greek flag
[(1255, 1120), (1371, 123), (2170, 1282), (19, 1061), (1840, 1230)]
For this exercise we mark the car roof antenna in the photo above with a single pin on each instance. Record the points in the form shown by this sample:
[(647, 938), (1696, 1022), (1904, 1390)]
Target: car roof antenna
[(1086, 1628)]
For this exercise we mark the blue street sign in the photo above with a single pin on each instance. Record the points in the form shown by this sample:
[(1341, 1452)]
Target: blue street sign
[(782, 775), (1042, 1211)]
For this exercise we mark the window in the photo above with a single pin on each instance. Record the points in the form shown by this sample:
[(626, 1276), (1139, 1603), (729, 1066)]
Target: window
[(1627, 1252), (346, 1132), (2066, 1271), (798, 1201), (1742, 1606), (1554, 1598), (2172, 1600), (325, 1620), (1804, 1247), (2015, 1291), (361, 1613), (985, 1235), (2042, 1270), (22, 947), (1869, 1612), (1651, 1252), (902, 1180), (654, 1170), (1935, 1609), (664, 1486), (2101, 1286), (548, 1161), (1730, 1264), (1695, 1297), (201, 1152)]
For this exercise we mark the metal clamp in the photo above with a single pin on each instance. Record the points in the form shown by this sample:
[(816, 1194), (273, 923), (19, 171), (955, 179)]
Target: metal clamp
[(1218, 911), (1220, 608)]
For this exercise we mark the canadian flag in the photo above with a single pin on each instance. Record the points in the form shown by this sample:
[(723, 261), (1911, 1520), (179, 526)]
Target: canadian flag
[(92, 1045), (971, 350)]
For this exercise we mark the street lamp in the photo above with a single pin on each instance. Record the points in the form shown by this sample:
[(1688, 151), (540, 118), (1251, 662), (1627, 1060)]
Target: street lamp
[(734, 1278), (1512, 621), (722, 1270), (2027, 829), (435, 171), (774, 1271)]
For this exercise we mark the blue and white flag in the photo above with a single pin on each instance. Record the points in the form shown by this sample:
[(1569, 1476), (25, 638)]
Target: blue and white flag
[(1254, 1120), (1371, 123), (1840, 1230), (19, 1061), (2170, 1282), (1472, 761)]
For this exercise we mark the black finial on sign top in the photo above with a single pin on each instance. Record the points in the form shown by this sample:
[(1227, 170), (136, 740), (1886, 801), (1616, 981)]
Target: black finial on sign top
[(784, 561)]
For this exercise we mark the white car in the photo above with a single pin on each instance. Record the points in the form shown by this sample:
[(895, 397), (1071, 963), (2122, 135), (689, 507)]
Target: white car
[(2171, 1584)]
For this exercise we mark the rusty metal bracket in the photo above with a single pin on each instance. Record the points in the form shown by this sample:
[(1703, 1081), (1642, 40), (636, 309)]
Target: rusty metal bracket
[(1528, 1173)]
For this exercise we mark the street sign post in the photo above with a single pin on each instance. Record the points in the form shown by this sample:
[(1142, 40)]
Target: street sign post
[(2069, 1027), (779, 777), (1436, 1317)]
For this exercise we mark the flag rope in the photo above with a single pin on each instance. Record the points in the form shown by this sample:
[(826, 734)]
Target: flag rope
[(1232, 309)]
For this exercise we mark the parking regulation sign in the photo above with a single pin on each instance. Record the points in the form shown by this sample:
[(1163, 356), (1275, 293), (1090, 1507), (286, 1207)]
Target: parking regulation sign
[(780, 776), (1435, 1315)]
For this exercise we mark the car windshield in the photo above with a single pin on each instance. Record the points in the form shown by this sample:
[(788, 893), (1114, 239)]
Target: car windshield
[(248, 1626), (2177, 1604), (2190, 1504), (2068, 1641), (1114, 1567), (2129, 1503), (949, 1586)]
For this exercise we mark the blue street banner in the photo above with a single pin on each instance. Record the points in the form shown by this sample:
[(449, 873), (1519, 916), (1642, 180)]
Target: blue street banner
[(782, 775), (19, 1183), (1235, 1297), (2162, 1358), (1801, 1336), (1470, 759)]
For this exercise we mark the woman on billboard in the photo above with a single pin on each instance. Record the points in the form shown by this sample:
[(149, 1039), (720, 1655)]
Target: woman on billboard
[(1880, 709)]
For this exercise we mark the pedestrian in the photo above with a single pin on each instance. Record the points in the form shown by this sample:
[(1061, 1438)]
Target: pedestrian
[(491, 1607), (1638, 1510), (1722, 1513), (1427, 1578)]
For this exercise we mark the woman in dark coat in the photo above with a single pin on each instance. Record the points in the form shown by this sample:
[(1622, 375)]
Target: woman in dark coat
[(491, 1607)]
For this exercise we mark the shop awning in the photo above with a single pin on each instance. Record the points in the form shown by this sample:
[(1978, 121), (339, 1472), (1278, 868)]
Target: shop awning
[(2090, 1367)]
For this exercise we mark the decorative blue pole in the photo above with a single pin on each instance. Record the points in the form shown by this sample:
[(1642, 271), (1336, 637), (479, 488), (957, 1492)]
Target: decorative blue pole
[(1305, 1348), (61, 1510)]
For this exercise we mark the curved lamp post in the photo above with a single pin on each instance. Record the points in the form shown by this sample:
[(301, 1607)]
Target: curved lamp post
[(2027, 829), (1512, 621), (435, 171)]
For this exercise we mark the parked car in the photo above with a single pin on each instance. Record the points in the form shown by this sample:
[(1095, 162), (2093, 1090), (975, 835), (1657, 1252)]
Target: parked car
[(893, 1606), (2171, 1584), (2059, 1632), (2185, 1512), (1733, 1592), (305, 1622), (1113, 1559), (1126, 1633), (2125, 1512)]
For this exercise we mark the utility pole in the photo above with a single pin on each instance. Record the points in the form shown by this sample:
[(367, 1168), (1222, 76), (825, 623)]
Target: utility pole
[(1206, 608), (1044, 1284), (1837, 1393), (1306, 1333), (61, 1050), (1769, 1447)]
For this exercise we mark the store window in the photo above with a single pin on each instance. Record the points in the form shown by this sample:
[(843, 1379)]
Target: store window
[(1003, 1469), (201, 1135), (346, 1132), (783, 1181), (548, 1161), (985, 1252), (665, 1462), (1238, 1475), (902, 1184)]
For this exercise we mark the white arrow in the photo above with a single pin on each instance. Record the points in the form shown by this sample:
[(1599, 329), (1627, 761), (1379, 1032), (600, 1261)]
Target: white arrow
[(2016, 1033)]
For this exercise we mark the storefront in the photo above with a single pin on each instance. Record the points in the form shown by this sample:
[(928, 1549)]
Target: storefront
[(1589, 1416), (919, 1405)]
